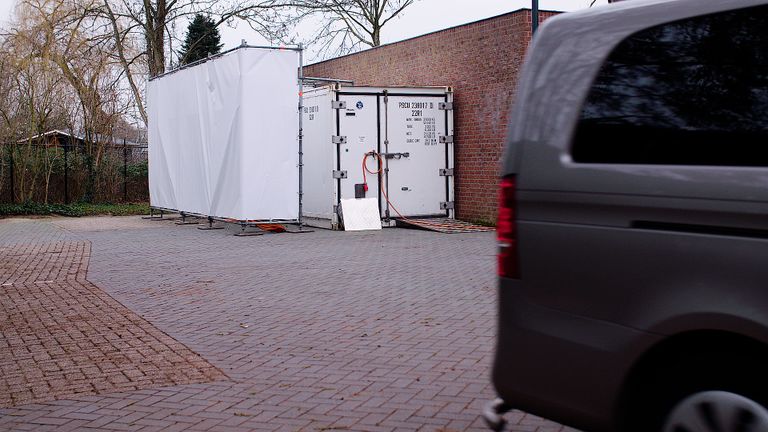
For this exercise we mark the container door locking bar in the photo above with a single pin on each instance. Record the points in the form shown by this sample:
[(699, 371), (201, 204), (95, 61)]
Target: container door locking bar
[(395, 155)]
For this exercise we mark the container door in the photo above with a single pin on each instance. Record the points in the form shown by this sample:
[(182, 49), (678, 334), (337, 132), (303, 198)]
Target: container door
[(358, 126), (414, 156)]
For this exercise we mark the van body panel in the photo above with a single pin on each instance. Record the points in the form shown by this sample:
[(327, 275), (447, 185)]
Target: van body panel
[(615, 258)]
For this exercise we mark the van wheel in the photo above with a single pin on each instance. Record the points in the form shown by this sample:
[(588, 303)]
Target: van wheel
[(717, 411)]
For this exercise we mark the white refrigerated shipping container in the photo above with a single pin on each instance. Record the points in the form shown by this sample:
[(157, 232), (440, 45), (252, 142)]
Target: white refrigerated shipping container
[(411, 128), (223, 136)]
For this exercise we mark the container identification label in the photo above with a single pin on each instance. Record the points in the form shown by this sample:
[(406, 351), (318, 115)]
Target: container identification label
[(418, 116), (311, 110)]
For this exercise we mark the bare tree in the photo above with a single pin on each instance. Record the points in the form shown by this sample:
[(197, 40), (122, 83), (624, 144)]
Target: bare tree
[(127, 53), (156, 22), (36, 99), (143, 31), (344, 26), (70, 37)]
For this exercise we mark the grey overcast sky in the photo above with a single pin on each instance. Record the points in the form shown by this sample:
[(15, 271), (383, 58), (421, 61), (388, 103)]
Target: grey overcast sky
[(422, 17), (427, 16)]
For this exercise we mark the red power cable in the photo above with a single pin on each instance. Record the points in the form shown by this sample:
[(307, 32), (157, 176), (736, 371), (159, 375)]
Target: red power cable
[(384, 192)]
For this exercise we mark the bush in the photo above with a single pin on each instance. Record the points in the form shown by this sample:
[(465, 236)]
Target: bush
[(75, 210)]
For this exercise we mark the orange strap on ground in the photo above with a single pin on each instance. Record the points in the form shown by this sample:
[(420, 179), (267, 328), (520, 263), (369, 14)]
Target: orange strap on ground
[(275, 228)]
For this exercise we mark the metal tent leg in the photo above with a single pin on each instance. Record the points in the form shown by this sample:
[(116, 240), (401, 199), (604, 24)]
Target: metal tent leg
[(210, 225), (152, 215), (184, 220), (244, 233)]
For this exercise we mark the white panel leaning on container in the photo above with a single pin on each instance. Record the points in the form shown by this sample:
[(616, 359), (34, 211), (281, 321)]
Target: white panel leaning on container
[(392, 143), (224, 136)]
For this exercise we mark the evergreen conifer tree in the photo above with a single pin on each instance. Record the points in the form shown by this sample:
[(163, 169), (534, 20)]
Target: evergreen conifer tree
[(202, 40)]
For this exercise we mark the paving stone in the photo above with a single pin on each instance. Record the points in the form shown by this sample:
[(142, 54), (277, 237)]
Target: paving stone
[(45, 299), (391, 330)]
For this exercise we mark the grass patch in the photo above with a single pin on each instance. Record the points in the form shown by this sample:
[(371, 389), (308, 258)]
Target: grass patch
[(481, 222), (76, 209)]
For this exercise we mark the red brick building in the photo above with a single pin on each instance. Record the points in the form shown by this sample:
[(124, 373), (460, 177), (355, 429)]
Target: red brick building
[(481, 60)]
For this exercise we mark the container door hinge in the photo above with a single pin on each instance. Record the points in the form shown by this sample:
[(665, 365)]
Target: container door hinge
[(445, 106), (337, 139), (446, 172), (339, 174), (446, 139), (446, 205), (339, 104)]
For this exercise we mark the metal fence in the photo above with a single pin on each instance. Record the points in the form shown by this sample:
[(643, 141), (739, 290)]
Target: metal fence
[(39, 172)]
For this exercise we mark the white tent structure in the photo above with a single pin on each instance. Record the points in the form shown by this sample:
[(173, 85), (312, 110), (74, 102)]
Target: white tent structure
[(223, 136)]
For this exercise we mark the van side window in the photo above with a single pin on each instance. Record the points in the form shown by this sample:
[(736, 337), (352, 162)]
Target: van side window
[(692, 92)]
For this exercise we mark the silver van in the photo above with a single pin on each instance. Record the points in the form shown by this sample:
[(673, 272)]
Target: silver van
[(633, 221)]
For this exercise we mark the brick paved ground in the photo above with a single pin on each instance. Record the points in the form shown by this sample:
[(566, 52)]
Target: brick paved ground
[(62, 336), (324, 331)]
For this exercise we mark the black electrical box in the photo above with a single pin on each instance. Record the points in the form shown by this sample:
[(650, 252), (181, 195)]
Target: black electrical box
[(360, 190)]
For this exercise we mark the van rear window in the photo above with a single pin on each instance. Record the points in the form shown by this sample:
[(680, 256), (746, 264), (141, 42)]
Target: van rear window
[(691, 92)]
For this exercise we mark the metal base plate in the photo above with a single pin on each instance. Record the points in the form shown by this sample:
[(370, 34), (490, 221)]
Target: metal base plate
[(161, 218), (208, 228), (295, 229), (192, 222), (249, 234)]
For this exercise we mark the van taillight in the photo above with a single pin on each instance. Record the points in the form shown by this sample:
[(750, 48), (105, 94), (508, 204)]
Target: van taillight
[(506, 230)]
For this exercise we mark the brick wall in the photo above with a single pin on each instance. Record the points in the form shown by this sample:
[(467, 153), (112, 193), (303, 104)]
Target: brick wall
[(481, 60)]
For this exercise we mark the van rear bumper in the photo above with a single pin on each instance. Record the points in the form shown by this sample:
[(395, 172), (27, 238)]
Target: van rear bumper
[(561, 366)]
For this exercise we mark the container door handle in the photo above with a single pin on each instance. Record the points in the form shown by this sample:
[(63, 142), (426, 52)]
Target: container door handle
[(395, 155)]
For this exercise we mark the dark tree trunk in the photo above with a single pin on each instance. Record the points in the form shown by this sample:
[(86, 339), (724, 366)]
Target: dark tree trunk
[(155, 36)]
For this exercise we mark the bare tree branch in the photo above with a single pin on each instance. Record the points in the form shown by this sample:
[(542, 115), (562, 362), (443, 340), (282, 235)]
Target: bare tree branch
[(119, 45), (344, 25)]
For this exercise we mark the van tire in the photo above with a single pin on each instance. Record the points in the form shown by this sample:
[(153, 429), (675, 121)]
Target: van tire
[(717, 411)]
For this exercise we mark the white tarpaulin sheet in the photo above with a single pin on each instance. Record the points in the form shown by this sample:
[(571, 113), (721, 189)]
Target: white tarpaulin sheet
[(223, 137)]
